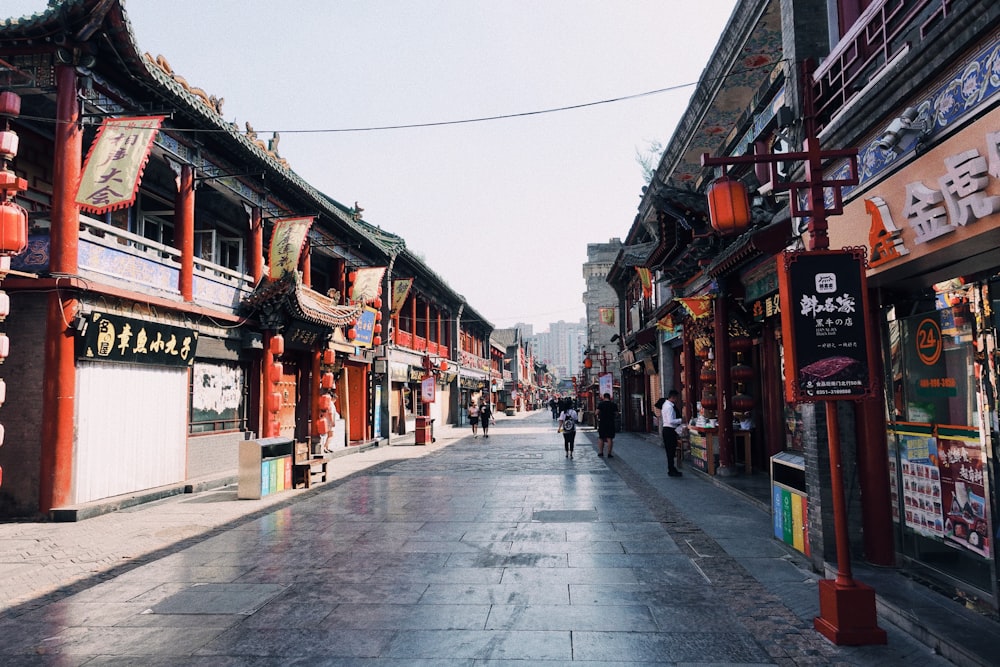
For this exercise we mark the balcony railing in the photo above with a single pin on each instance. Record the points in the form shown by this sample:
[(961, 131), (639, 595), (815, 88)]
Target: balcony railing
[(114, 256), (884, 30)]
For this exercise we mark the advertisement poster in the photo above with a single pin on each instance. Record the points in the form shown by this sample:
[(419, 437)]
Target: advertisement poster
[(921, 480), (963, 492), (427, 386), (824, 299), (605, 383)]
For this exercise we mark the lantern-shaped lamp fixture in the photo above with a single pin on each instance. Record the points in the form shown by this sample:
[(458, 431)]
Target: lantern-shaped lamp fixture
[(728, 206)]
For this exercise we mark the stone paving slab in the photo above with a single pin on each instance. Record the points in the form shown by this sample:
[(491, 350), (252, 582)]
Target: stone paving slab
[(463, 552)]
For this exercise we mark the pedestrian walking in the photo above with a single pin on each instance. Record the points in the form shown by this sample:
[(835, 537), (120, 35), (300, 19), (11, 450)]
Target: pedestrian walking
[(567, 425), (606, 414), (671, 427), (485, 416), (474, 418)]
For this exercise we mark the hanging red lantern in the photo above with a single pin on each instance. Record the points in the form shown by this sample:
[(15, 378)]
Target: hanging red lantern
[(277, 345), (326, 381), (588, 363), (8, 144), (377, 340), (377, 303), (351, 334), (707, 374), (325, 402), (740, 343), (321, 426), (352, 276), (741, 373), (742, 403), (10, 104), (13, 228), (378, 316), (728, 206), (443, 365), (328, 357), (274, 401), (378, 328), (709, 400)]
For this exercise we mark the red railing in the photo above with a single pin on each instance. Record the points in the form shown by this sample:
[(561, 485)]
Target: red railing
[(880, 34)]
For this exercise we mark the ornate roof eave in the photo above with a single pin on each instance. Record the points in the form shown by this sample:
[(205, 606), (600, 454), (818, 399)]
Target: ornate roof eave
[(767, 239), (288, 294)]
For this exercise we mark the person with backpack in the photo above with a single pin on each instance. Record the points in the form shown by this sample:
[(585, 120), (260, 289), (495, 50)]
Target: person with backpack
[(567, 425)]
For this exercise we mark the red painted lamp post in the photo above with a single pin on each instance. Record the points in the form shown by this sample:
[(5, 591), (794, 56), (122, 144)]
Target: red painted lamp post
[(847, 607)]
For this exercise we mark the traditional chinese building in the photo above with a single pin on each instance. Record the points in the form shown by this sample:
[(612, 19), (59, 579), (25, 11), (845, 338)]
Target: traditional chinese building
[(183, 290)]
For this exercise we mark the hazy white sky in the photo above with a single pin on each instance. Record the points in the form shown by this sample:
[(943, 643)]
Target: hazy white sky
[(502, 210)]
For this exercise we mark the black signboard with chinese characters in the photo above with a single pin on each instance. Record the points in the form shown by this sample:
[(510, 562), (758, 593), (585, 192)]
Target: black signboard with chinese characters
[(127, 340), (824, 312)]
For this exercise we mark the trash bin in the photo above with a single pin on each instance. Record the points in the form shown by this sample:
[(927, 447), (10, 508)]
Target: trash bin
[(422, 434)]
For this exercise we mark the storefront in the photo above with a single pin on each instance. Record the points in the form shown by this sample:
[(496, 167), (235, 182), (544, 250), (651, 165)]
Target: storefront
[(932, 228)]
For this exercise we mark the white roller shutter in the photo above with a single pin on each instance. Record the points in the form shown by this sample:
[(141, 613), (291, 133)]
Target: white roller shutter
[(131, 428)]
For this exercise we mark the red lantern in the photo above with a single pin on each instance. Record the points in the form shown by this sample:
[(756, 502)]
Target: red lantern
[(728, 206), (707, 374), (277, 345), (443, 366), (588, 363), (13, 228), (274, 401), (377, 303), (8, 143), (326, 380), (741, 373), (10, 104), (352, 276), (325, 402), (709, 400), (377, 340), (321, 426), (351, 334), (378, 328), (278, 371), (743, 403), (740, 343), (378, 316), (328, 357)]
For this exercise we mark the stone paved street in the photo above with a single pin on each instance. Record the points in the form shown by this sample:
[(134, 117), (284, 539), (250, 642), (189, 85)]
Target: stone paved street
[(470, 551)]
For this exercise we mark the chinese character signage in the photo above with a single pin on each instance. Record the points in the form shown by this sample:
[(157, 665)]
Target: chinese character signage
[(364, 330), (365, 287), (126, 340), (824, 310), (427, 388), (113, 169), (287, 239)]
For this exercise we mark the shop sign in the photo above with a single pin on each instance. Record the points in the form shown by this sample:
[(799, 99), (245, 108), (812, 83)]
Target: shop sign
[(427, 389), (304, 336), (765, 307), (399, 372), (605, 382), (364, 330), (417, 374), (826, 344), (126, 340)]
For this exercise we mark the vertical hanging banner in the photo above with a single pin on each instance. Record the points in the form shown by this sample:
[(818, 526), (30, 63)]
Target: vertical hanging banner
[(287, 240), (366, 283), (114, 165), (646, 279), (824, 319), (400, 290)]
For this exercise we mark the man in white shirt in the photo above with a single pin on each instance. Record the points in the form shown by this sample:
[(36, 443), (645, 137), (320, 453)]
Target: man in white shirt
[(672, 427)]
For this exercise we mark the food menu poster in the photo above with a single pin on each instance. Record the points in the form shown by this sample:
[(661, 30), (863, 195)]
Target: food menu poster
[(963, 490), (943, 491)]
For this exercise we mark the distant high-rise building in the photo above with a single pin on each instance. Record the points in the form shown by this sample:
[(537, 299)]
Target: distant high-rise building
[(562, 347)]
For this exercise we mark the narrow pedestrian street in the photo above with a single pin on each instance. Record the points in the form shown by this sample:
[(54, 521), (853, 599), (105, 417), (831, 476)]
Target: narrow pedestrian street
[(473, 551)]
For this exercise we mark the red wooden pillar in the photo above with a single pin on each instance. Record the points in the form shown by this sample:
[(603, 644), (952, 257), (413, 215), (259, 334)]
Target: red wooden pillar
[(256, 245), (59, 391), (723, 387), (184, 212), (305, 264)]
